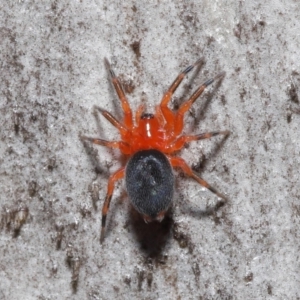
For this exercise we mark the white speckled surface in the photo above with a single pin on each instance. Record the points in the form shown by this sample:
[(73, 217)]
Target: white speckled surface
[(52, 74)]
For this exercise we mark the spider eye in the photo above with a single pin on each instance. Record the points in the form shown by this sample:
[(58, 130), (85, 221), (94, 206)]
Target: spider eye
[(147, 116)]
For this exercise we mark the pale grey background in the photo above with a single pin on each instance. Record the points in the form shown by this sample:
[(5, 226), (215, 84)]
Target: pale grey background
[(52, 74)]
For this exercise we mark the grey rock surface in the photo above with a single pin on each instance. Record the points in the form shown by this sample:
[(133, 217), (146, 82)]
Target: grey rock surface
[(53, 185)]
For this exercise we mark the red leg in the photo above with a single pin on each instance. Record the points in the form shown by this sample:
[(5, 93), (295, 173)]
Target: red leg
[(108, 116), (124, 148), (184, 107), (179, 143), (179, 162), (110, 188), (101, 142), (166, 111), (124, 102), (139, 113), (159, 116)]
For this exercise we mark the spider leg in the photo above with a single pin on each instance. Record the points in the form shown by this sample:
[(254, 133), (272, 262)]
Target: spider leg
[(166, 111), (109, 144), (124, 147), (184, 107), (179, 143), (108, 116), (159, 116), (179, 162), (124, 102), (110, 188), (206, 135), (139, 113)]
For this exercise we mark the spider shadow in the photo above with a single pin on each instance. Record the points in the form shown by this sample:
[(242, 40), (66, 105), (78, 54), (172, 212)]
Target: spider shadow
[(154, 236), (194, 211), (200, 166), (93, 156), (204, 106)]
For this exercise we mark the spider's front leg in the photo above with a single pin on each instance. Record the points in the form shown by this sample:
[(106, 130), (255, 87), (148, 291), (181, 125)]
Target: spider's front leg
[(166, 111)]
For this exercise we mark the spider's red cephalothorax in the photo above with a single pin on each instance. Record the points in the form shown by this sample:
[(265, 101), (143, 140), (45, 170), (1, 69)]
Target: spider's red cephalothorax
[(150, 141)]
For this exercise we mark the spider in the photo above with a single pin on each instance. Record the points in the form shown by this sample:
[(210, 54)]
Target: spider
[(149, 141)]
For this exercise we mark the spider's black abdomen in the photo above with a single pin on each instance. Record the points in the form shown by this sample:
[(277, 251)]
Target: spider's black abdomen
[(150, 182)]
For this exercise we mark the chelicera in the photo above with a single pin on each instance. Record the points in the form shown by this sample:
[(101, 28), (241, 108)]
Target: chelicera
[(150, 142)]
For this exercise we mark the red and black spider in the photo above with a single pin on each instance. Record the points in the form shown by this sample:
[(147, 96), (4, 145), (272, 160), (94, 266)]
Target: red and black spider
[(149, 141)]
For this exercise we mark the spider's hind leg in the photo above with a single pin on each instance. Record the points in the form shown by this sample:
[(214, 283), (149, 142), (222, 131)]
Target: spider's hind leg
[(179, 162), (110, 188)]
